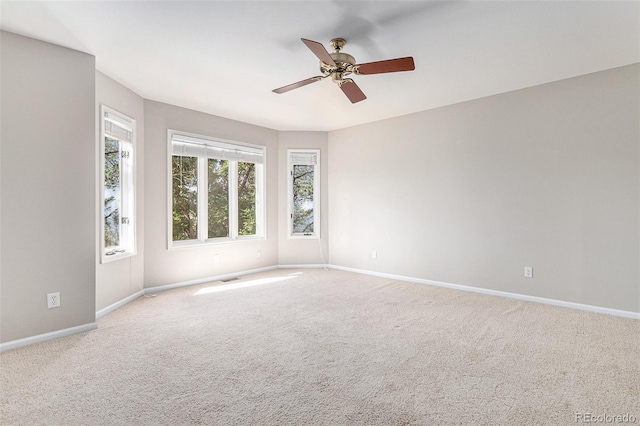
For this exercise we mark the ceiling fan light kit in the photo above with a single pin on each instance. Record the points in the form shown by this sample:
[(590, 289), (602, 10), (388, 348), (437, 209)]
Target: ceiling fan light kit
[(338, 65)]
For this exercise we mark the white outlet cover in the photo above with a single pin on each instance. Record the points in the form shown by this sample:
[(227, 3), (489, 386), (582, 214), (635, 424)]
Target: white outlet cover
[(528, 272), (53, 300)]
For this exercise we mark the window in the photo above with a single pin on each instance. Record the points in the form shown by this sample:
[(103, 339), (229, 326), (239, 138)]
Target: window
[(304, 193), (217, 190), (117, 153)]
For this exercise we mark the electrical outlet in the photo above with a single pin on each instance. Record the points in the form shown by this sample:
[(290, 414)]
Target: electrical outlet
[(53, 300), (374, 254), (258, 255), (528, 272), (216, 258)]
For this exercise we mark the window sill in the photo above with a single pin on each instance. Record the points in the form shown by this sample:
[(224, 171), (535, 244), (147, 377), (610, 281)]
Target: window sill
[(304, 237), (117, 256), (213, 242)]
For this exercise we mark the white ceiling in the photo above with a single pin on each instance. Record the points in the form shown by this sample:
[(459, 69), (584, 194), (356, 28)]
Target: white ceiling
[(225, 57)]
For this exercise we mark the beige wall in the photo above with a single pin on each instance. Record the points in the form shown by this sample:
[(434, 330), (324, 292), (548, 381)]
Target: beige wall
[(48, 187), (163, 266), (121, 278), (296, 251), (469, 194)]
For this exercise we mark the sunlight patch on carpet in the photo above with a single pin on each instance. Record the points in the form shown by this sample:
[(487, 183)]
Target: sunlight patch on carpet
[(235, 286)]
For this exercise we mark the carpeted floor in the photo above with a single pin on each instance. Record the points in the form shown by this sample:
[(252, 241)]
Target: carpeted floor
[(316, 347)]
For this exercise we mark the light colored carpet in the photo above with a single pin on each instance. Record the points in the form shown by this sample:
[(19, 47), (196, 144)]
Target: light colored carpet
[(316, 347)]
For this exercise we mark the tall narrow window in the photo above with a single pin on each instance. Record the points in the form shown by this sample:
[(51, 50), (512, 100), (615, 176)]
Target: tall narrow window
[(218, 194), (246, 198), (118, 185), (185, 197), (304, 193), (217, 190)]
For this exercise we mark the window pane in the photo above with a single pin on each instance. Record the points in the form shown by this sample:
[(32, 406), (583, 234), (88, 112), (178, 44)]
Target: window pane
[(112, 186), (246, 198), (218, 193), (185, 197), (303, 176)]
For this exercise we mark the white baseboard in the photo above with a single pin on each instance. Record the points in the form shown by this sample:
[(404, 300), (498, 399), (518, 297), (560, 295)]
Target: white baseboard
[(47, 336), (104, 311), (304, 266), (554, 302), (208, 279)]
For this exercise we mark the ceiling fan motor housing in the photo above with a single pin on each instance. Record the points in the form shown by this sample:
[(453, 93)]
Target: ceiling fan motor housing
[(344, 62)]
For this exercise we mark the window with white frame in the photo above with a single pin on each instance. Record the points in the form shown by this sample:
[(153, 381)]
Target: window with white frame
[(304, 193), (217, 190), (117, 165)]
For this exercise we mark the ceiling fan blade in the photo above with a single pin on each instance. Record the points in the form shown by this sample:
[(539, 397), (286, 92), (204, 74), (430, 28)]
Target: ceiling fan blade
[(319, 50), (288, 87), (353, 92), (390, 65)]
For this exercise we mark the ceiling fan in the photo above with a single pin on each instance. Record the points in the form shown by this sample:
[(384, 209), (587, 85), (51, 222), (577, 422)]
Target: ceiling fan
[(339, 64)]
